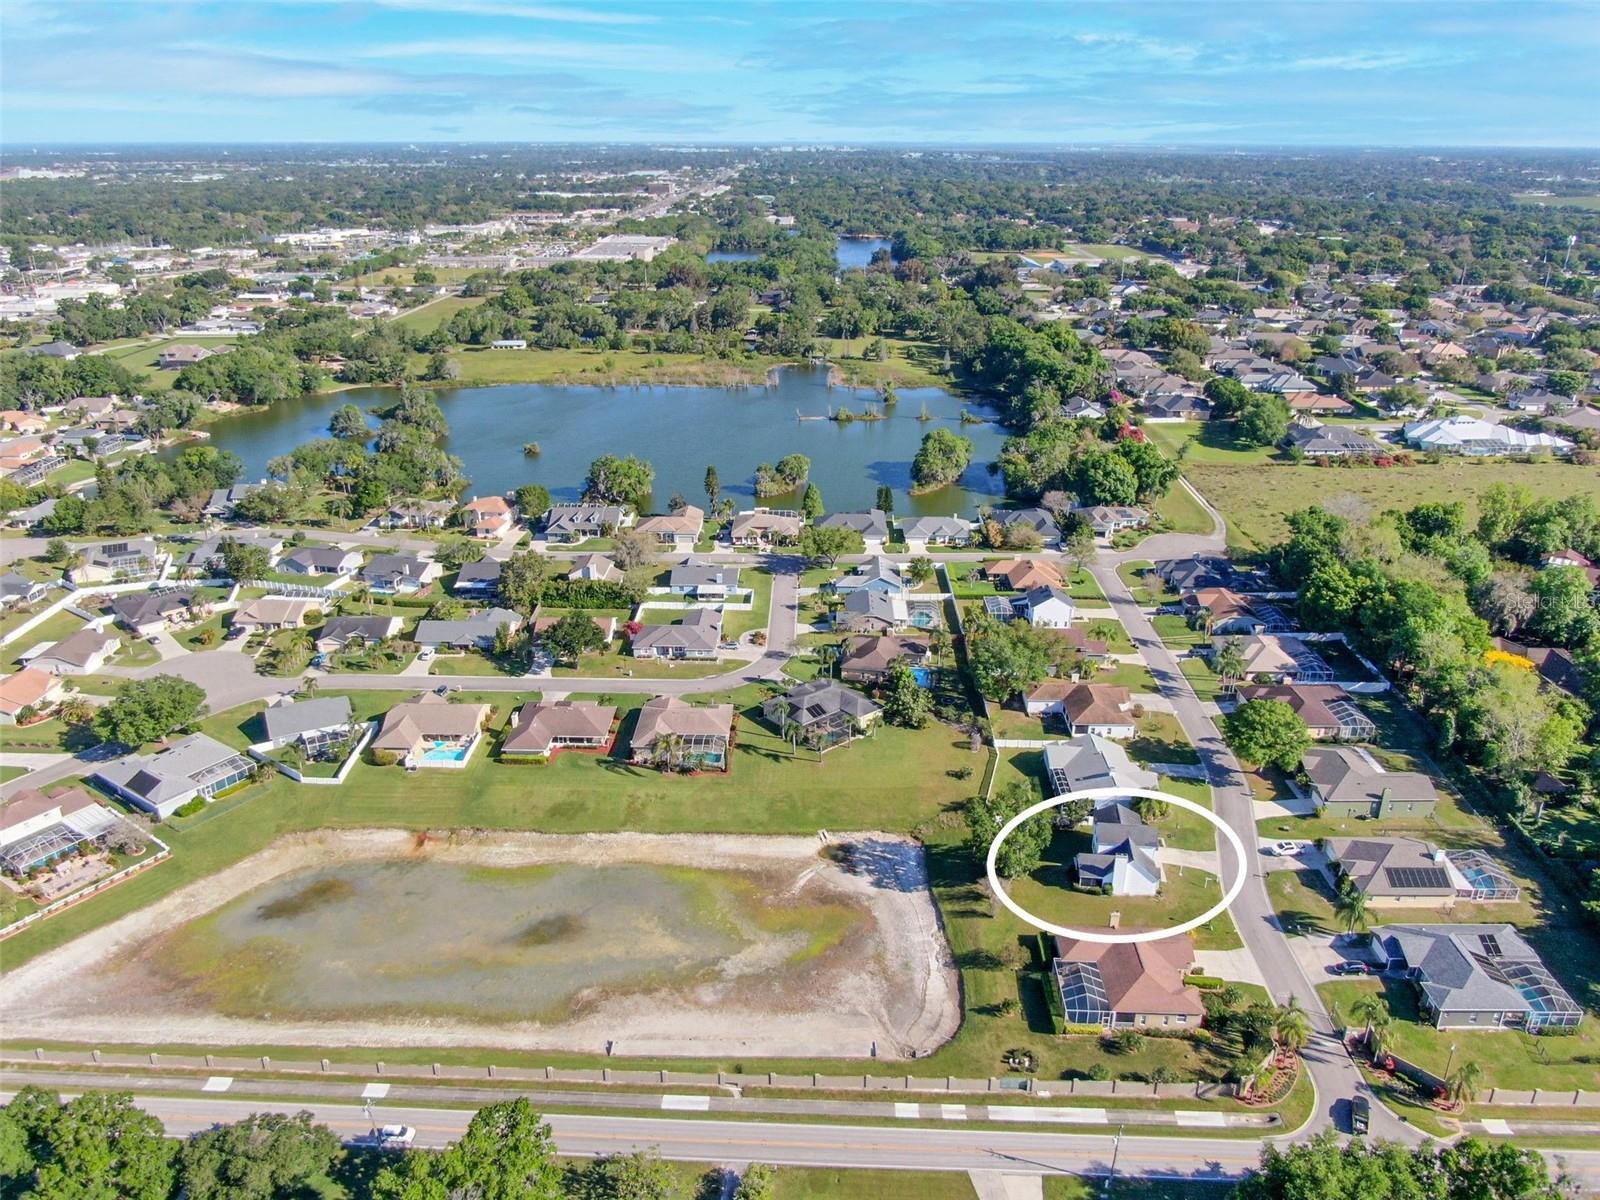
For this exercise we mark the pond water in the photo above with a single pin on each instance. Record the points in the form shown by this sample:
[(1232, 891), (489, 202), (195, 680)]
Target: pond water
[(681, 430), (390, 938), (717, 256), (858, 251)]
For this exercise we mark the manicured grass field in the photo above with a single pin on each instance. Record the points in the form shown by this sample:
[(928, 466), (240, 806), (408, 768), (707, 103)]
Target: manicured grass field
[(911, 364), (62, 625), (480, 366), (425, 318), (1183, 513), (828, 1183)]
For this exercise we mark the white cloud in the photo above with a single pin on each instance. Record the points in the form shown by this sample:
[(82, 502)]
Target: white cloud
[(553, 50), (516, 9)]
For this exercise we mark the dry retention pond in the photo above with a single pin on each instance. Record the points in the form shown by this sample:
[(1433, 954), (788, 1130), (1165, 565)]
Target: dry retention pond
[(658, 945)]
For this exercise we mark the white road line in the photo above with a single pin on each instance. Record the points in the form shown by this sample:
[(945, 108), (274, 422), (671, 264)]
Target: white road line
[(375, 1091), (1201, 1120), (907, 1112), (1497, 1127), (217, 1083), (953, 1112), (1052, 1116), (686, 1103)]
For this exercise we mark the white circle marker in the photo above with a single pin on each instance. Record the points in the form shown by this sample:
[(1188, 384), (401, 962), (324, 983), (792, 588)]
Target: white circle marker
[(1115, 793)]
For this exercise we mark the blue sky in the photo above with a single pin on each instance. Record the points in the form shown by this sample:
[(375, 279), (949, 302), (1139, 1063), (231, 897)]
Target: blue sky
[(1334, 72)]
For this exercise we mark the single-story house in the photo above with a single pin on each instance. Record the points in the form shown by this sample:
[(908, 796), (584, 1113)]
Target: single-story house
[(1406, 870), (81, 653), (1107, 519), (1477, 977), (1346, 781), (36, 829), (924, 533), (1475, 438), (19, 589), (703, 580), (1127, 984), (872, 525), (312, 724), (320, 560), (162, 783), (182, 354), (697, 635), (1201, 571), (1279, 658), (489, 516), (1041, 520), (274, 612), (148, 613), (1023, 574), (29, 688), (432, 732), (540, 731), (1230, 612), (478, 579), (1046, 607), (885, 612), (119, 562), (400, 574), (1555, 664), (877, 574), (207, 555), (417, 514), (1089, 761), (676, 531), (1090, 648), (1104, 710), (509, 344), (671, 732), (1189, 405), (17, 421), (224, 500), (606, 625), (870, 659), (763, 527), (1327, 709), (477, 630), (1318, 404), (598, 567), (340, 632), (568, 523), (1124, 856), (1330, 441), (821, 713), (65, 351)]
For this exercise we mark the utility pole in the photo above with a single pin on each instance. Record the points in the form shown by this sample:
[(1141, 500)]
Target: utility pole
[(1116, 1147)]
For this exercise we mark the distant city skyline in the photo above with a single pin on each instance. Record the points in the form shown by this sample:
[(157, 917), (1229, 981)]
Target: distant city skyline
[(1420, 73)]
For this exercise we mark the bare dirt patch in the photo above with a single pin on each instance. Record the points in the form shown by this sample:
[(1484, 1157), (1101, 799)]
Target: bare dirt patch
[(771, 983)]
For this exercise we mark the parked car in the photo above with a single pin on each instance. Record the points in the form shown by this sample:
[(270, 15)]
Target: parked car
[(425, 654), (1360, 1114), (1285, 849), (1349, 967), (389, 1137)]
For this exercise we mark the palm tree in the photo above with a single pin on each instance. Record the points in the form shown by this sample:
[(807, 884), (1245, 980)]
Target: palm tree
[(1351, 909), (1228, 661), (669, 751), (1371, 1009), (1293, 1026), (1378, 1035), (1463, 1085)]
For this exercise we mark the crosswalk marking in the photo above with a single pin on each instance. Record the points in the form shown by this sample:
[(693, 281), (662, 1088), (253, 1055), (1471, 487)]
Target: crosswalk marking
[(1056, 1116), (1201, 1120), (686, 1103), (217, 1083), (908, 1112), (953, 1112), (1497, 1127), (375, 1091)]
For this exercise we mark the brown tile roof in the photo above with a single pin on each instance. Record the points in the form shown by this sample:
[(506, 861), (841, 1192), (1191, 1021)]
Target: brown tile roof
[(1141, 977), (1023, 574), (537, 725)]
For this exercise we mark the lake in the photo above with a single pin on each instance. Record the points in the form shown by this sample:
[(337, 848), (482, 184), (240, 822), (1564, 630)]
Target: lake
[(680, 430), (848, 252)]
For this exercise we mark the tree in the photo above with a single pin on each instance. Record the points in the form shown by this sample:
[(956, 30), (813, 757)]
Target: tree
[(885, 502), (507, 1153), (264, 1156), (1024, 847), (637, 1176), (1227, 661), (1470, 1169), (792, 470), (906, 702), (828, 546), (920, 570), (1263, 420), (1268, 733), (244, 561), (146, 710), (1077, 542), (442, 368), (99, 1146), (1507, 601), (522, 581), (1350, 906), (1008, 658), (713, 487), (532, 500), (940, 460), (348, 423), (614, 480), (1370, 1008), (757, 1183), (631, 548), (1566, 614), (573, 635), (1105, 477), (1293, 1027), (811, 502), (57, 551), (1227, 396), (1463, 1085)]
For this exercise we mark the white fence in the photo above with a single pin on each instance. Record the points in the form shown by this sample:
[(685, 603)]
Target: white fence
[(262, 752), (93, 889)]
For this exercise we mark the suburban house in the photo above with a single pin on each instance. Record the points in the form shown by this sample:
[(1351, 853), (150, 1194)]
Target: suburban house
[(432, 732), (478, 579), (1346, 781), (182, 354), (1556, 666), (885, 612), (81, 653), (1127, 985), (149, 613), (1178, 406), (922, 534), (872, 525), (417, 514), (18, 421), (36, 829), (1406, 870), (1023, 574), (877, 574), (119, 562), (540, 731), (489, 516), (698, 635), (1101, 709), (1094, 649), (703, 580), (1270, 655), (606, 625), (1123, 859), (19, 589), (1477, 977), (207, 556), (598, 567), (1314, 440), (569, 523), (1089, 761), (273, 612), (676, 531), (311, 724), (1327, 709), (224, 500), (400, 574), (672, 732), (1108, 519), (198, 766), (1223, 611), (1041, 520), (1201, 571), (1318, 404), (30, 689), (1475, 438), (1046, 607), (870, 659), (320, 560), (760, 528), (821, 714), (478, 630), (340, 632)]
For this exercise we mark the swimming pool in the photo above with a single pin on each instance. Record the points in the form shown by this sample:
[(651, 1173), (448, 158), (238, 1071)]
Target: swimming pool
[(923, 676), (446, 753)]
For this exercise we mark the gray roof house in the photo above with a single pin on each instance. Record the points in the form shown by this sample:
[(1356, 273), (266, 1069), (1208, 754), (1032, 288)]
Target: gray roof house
[(1330, 441), (821, 713), (872, 525), (151, 612), (477, 630), (1089, 761), (1041, 520), (702, 579), (1123, 860), (481, 578), (164, 782), (309, 722), (1348, 782), (1477, 977), (920, 533), (580, 522), (696, 636), (341, 631), (1405, 870), (19, 589), (320, 560)]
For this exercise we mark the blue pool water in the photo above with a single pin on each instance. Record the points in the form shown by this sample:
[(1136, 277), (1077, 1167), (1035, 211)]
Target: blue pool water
[(439, 752), (923, 676)]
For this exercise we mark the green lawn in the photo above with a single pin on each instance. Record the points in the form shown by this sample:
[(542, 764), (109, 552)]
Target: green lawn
[(1080, 586), (1182, 513), (1208, 442), (828, 1183), (735, 622), (621, 664), (480, 366), (1148, 590), (911, 364), (425, 318), (62, 625), (1175, 632)]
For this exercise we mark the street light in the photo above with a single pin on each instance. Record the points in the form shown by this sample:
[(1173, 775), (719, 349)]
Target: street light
[(1450, 1062), (1116, 1146)]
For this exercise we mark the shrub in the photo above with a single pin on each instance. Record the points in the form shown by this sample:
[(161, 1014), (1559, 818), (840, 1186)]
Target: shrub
[(1127, 1041), (385, 758), (189, 809)]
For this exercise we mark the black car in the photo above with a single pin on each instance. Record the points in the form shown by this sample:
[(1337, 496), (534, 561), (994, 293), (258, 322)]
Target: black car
[(1360, 1112)]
